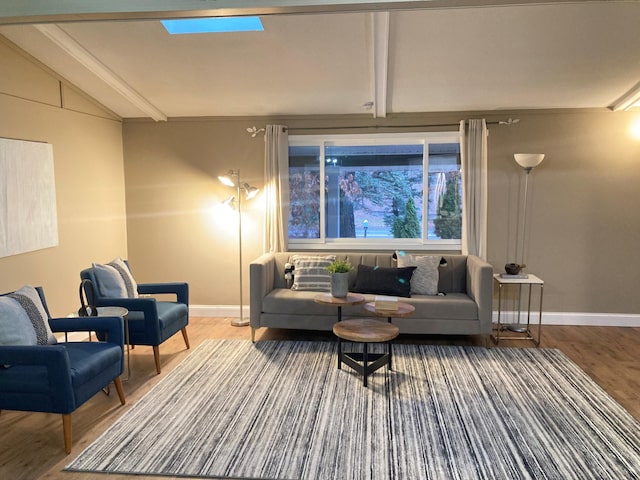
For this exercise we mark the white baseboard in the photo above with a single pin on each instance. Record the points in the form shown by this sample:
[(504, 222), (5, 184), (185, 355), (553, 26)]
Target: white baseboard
[(578, 319), (548, 318), (217, 310)]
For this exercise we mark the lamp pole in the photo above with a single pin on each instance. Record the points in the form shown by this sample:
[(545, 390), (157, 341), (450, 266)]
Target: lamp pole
[(527, 171), (241, 321)]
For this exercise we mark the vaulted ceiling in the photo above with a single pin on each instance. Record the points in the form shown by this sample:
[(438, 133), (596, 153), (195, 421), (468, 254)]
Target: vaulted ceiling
[(480, 57)]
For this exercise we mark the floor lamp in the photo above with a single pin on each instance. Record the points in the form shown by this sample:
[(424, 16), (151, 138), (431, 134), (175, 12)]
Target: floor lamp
[(232, 179), (528, 161)]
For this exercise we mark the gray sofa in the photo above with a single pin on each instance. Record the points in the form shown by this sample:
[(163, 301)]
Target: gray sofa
[(465, 309)]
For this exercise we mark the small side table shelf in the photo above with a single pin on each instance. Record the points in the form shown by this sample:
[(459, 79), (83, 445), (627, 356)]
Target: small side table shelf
[(404, 310), (328, 299), (530, 281)]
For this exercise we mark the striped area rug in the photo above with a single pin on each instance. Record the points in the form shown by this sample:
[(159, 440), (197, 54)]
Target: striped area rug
[(282, 410)]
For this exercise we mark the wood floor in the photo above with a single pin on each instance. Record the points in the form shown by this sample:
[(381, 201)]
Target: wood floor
[(31, 445)]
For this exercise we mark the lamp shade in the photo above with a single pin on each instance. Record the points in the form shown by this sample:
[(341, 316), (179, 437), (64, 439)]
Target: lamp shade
[(227, 180), (250, 191), (529, 160)]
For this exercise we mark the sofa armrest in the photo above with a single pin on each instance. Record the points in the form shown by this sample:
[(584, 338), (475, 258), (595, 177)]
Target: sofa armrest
[(480, 289), (261, 275)]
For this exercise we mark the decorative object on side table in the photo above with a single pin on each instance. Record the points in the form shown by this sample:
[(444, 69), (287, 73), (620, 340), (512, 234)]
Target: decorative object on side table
[(339, 270)]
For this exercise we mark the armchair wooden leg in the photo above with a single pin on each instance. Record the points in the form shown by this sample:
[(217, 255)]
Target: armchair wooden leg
[(156, 356), (186, 337), (118, 383), (66, 431)]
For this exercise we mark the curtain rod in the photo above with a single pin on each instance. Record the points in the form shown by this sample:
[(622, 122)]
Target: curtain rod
[(510, 121)]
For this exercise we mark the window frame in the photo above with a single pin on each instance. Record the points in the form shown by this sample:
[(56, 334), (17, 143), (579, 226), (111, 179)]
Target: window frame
[(414, 244)]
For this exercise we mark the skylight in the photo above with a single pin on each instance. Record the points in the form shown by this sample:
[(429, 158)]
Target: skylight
[(213, 25)]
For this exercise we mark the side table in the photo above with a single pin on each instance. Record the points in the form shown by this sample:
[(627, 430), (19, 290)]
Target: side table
[(365, 331), (530, 281), (124, 313), (328, 299), (403, 310)]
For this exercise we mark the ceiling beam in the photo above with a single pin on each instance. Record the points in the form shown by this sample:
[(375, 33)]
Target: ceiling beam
[(629, 100), (47, 11), (380, 63), (104, 73)]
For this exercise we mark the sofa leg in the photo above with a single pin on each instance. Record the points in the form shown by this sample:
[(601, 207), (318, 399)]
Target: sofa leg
[(66, 432), (488, 342), (186, 337), (156, 357), (253, 335), (118, 383)]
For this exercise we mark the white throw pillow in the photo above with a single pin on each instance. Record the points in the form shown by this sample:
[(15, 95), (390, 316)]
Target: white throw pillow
[(310, 272), (425, 278)]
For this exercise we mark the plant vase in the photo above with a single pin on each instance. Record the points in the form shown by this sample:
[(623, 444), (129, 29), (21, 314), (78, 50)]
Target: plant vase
[(339, 284)]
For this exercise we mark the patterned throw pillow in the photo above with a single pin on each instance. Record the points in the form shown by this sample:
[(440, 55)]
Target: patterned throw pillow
[(426, 276), (29, 300), (310, 272), (115, 280)]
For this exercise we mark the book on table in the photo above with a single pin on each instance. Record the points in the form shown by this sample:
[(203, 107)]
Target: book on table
[(386, 303), (514, 276)]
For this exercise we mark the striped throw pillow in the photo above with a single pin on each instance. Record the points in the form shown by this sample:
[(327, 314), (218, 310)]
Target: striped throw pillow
[(310, 272)]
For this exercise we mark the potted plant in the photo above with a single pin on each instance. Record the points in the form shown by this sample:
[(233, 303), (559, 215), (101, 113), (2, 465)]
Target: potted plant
[(339, 270)]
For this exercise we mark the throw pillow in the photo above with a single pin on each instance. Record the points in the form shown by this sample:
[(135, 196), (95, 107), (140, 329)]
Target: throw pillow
[(425, 279), (310, 272), (125, 273), (115, 280), (15, 326), (384, 281), (31, 303)]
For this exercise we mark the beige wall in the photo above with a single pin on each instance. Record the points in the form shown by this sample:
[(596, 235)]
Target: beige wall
[(89, 177), (584, 227)]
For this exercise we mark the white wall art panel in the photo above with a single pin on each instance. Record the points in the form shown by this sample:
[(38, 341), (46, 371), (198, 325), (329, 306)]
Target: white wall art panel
[(28, 216)]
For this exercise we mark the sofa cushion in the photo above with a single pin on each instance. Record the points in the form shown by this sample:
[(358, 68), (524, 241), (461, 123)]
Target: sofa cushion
[(310, 272), (453, 306), (283, 301), (384, 281), (425, 278)]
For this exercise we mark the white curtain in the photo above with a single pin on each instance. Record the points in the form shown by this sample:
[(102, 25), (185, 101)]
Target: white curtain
[(276, 190), (473, 149)]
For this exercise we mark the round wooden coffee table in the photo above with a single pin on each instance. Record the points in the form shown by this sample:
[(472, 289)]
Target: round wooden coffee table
[(404, 310), (328, 299), (365, 331)]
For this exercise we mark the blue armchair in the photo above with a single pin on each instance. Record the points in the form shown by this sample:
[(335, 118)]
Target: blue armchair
[(150, 321), (59, 378)]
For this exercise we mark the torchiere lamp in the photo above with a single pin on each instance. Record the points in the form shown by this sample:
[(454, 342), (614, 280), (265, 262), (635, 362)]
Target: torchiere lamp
[(528, 161), (232, 179)]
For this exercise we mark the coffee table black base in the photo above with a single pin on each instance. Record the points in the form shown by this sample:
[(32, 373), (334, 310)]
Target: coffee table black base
[(364, 363)]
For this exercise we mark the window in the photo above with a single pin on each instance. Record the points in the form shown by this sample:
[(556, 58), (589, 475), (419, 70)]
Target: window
[(212, 25), (374, 190)]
